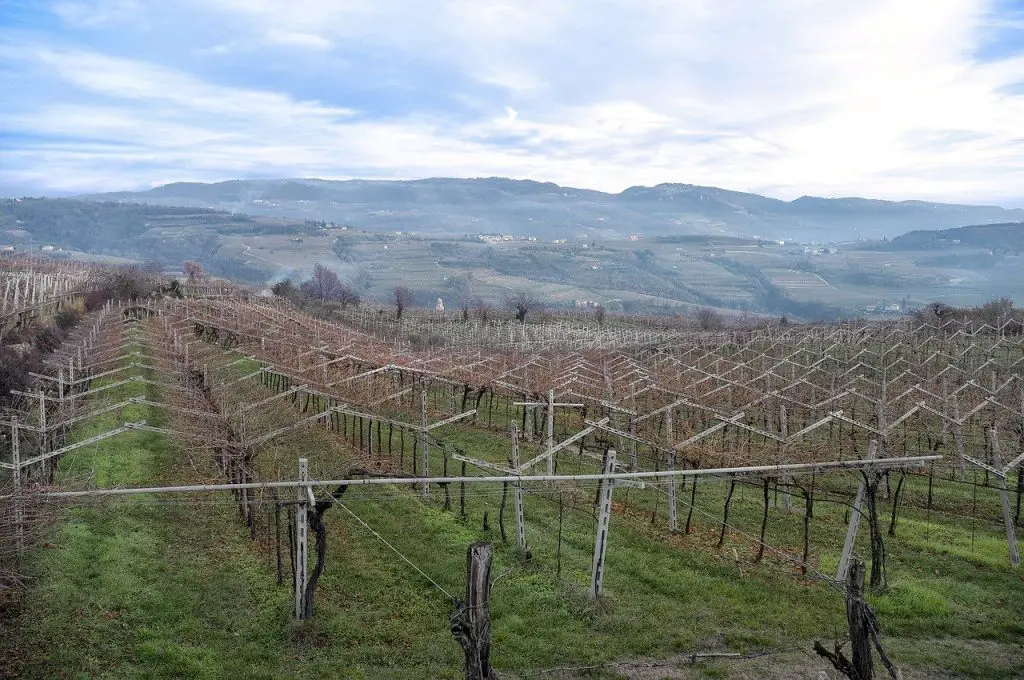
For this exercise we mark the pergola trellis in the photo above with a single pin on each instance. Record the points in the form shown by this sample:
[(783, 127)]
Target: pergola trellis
[(763, 404)]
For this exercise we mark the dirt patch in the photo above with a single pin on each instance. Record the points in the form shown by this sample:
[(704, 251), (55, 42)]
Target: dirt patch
[(995, 659)]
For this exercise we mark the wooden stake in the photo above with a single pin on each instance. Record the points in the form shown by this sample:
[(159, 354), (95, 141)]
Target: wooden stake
[(851, 529), (550, 443), (787, 480), (19, 507), (601, 538), (426, 446), (1011, 532), (471, 623), (673, 484), (302, 539), (518, 495)]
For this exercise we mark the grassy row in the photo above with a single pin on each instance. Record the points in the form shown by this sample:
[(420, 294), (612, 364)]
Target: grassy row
[(151, 588)]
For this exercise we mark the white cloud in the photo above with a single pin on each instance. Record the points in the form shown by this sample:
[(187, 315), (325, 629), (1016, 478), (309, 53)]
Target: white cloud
[(298, 39), (881, 97), (125, 79)]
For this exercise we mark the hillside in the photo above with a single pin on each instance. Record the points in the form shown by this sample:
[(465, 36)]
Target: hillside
[(1005, 237), (166, 234), (546, 210), (665, 274)]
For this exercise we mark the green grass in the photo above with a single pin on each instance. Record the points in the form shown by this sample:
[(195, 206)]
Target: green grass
[(142, 588)]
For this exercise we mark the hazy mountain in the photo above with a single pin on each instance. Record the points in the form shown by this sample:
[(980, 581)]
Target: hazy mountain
[(543, 209)]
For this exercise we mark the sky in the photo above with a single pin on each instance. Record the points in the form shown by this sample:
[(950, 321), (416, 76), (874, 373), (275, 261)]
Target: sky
[(895, 99)]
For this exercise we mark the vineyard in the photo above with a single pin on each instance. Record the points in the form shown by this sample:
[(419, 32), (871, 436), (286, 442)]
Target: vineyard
[(208, 484)]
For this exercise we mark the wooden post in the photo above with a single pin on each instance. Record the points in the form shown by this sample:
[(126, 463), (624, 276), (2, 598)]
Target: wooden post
[(43, 435), (632, 442), (425, 433), (1011, 532), (601, 538), (518, 495), (787, 480), (302, 539), (858, 619), (550, 443), (673, 482), (471, 623), (851, 530), (19, 507)]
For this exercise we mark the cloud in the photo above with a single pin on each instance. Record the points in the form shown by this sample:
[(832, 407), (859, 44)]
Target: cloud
[(886, 98), (298, 39)]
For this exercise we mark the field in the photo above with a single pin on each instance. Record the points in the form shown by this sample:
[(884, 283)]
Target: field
[(727, 574)]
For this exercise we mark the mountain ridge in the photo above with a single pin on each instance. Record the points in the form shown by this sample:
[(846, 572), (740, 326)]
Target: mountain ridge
[(448, 205)]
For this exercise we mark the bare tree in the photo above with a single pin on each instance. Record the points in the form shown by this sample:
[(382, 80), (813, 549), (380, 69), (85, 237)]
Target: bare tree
[(938, 311), (482, 308), (348, 296), (403, 299), (194, 271), (709, 320), (284, 288), (995, 311), (521, 303), (323, 285)]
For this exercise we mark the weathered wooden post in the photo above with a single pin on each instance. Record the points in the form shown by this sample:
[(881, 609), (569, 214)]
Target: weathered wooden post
[(855, 513), (44, 437), (302, 539), (471, 623), (673, 482), (1011, 532), (604, 518), (425, 434), (864, 634), (550, 441), (19, 500), (518, 494), (787, 480)]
